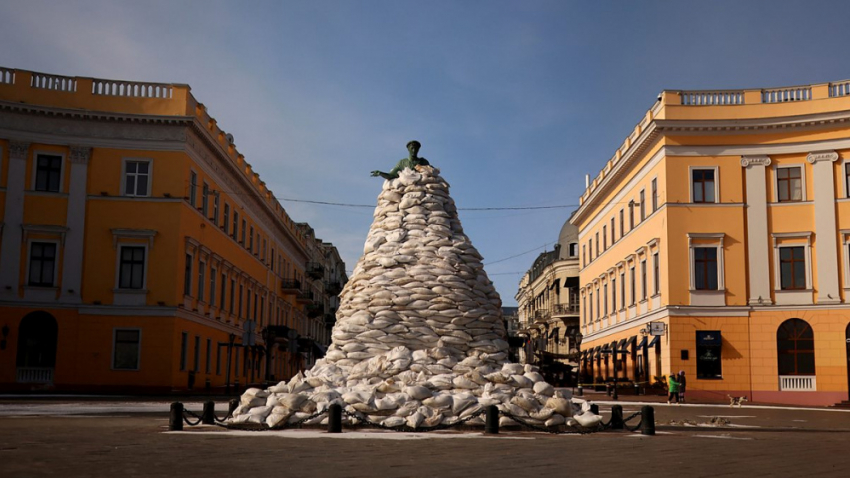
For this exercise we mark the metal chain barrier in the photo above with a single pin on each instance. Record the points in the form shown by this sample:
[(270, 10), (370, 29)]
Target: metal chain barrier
[(639, 423), (409, 429), (555, 431), (186, 419)]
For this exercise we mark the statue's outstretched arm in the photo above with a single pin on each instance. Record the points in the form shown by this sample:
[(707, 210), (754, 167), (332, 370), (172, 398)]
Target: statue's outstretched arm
[(390, 175)]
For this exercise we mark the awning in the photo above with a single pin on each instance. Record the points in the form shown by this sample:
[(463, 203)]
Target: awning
[(654, 341), (642, 342), (709, 337), (571, 282), (553, 333), (621, 344), (555, 284)]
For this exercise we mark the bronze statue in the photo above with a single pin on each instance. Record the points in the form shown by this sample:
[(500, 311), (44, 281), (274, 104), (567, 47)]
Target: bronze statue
[(410, 162)]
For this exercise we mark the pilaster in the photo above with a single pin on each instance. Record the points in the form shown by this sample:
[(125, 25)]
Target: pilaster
[(10, 254), (825, 230), (72, 264), (758, 256)]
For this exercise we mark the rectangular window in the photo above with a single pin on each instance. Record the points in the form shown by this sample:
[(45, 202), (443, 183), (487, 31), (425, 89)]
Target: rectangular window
[(218, 360), (209, 356), (262, 309), (847, 178), (632, 285), (244, 226), (251, 239), (137, 178), (213, 274), (597, 244), (226, 220), (193, 186), (205, 199), (272, 259), (248, 305), (604, 238), (48, 173), (584, 308), (613, 239), (215, 208), (255, 306), (709, 346), (598, 308), (184, 343), (656, 274), (702, 185), (792, 267), (42, 264), (590, 246), (232, 294), (654, 195), (584, 255), (605, 300), (125, 349), (131, 272), (239, 313), (187, 276), (623, 288), (614, 295), (202, 282), (789, 184), (235, 231), (622, 224), (631, 215), (643, 279), (223, 290), (705, 268), (197, 366), (642, 205)]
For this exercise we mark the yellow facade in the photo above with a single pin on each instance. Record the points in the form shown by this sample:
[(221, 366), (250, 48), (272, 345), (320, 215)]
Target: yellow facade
[(735, 210), (137, 245)]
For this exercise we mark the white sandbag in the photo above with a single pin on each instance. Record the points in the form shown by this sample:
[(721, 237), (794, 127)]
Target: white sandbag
[(512, 369), (414, 420), (588, 419), (555, 420), (544, 388), (417, 392), (521, 381), (534, 377), (393, 421)]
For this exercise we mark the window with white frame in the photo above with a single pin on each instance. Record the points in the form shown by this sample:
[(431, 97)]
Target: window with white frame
[(792, 267), (705, 268), (642, 205), (225, 223), (654, 194), (205, 199), (847, 179), (137, 177), (643, 279), (48, 172), (187, 276), (193, 186), (131, 267), (42, 264), (632, 285), (215, 208), (623, 287), (656, 274), (126, 349), (605, 300), (614, 294), (704, 185), (792, 257), (202, 271), (789, 184), (213, 275)]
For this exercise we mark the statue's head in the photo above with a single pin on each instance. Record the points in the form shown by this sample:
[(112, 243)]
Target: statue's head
[(413, 147)]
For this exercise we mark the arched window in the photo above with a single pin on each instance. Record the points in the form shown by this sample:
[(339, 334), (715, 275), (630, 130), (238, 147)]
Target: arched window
[(795, 348)]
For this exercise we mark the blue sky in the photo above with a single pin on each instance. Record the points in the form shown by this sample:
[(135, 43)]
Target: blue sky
[(515, 101)]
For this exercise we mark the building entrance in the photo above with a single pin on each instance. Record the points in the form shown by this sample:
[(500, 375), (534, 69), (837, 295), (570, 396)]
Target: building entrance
[(36, 359)]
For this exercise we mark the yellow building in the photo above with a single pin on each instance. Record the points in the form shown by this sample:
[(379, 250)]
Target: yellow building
[(139, 250), (548, 309), (724, 220)]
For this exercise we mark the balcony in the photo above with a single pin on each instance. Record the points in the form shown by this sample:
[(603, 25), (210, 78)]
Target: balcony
[(35, 375), (333, 287), (313, 310), (330, 319), (798, 383), (290, 286), (565, 309), (314, 270), (541, 315), (304, 297)]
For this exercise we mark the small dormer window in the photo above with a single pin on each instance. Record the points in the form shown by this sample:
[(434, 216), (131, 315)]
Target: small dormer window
[(573, 249)]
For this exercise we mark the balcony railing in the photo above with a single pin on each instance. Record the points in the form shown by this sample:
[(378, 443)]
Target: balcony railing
[(290, 286), (304, 296), (315, 270), (7, 76), (841, 88), (541, 315), (781, 95), (134, 89), (333, 287), (35, 375), (798, 383), (314, 310), (53, 82), (565, 309)]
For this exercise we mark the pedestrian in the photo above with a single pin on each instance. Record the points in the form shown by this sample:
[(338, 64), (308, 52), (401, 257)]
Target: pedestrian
[(673, 388), (682, 384)]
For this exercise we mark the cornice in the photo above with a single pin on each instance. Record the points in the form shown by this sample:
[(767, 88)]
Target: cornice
[(750, 125), (92, 114)]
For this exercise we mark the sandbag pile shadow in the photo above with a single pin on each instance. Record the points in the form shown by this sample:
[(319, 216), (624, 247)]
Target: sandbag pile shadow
[(419, 339)]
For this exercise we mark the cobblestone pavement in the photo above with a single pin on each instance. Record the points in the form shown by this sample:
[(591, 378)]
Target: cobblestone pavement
[(755, 442)]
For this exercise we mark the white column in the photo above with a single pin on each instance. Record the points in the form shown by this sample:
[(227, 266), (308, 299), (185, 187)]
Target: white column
[(758, 254), (10, 255), (825, 231), (72, 257)]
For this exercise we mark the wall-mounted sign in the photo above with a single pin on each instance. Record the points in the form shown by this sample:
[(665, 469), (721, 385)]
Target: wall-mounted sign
[(657, 328)]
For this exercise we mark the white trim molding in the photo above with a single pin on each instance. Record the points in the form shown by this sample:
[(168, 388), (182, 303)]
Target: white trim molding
[(118, 233)]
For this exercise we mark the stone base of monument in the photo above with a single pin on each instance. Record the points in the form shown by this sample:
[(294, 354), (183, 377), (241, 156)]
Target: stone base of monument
[(419, 340)]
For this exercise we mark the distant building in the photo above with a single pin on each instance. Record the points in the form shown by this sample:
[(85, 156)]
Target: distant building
[(549, 308), (140, 251), (717, 241)]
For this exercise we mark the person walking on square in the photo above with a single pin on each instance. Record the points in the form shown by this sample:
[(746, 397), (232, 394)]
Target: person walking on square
[(682, 384), (673, 388)]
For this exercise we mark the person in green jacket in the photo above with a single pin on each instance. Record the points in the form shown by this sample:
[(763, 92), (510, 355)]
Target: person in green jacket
[(673, 388)]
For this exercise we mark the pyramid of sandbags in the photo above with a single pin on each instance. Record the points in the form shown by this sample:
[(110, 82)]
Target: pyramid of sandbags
[(419, 338)]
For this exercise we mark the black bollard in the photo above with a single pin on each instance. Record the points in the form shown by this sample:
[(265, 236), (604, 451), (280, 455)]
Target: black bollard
[(335, 418), (580, 391), (594, 408), (647, 420), (208, 417), (232, 405), (175, 420), (637, 389), (617, 422), (491, 425), (608, 389)]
